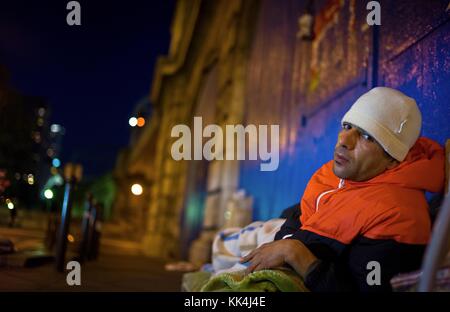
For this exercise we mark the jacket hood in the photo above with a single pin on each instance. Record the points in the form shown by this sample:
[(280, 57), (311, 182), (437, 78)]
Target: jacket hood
[(422, 169)]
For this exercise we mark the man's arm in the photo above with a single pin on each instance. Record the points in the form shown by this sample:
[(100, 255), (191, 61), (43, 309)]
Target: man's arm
[(353, 272), (292, 223), (348, 271), (393, 258)]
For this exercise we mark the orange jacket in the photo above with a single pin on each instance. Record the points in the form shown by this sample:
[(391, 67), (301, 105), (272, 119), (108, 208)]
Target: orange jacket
[(391, 205)]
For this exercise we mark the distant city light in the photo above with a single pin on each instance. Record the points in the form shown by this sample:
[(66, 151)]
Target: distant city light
[(56, 162), (41, 112), (140, 122), (133, 121), (10, 205), (37, 137), (136, 189), (70, 238), (55, 128), (30, 179), (40, 122), (48, 194), (50, 152)]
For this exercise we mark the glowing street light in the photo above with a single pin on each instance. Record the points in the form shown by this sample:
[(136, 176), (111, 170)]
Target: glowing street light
[(48, 194), (140, 122), (133, 121), (9, 204), (70, 238), (136, 189)]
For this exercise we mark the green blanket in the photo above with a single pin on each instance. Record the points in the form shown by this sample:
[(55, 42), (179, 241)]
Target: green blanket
[(282, 279)]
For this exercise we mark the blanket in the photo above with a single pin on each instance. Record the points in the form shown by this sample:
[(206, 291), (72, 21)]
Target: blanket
[(285, 280), (231, 244)]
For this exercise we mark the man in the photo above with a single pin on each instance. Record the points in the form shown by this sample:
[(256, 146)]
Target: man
[(363, 216)]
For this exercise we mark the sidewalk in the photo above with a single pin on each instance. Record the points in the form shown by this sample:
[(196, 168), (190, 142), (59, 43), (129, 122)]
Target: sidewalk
[(109, 273), (121, 266)]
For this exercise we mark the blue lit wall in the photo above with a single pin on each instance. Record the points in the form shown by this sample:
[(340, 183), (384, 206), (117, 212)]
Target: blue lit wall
[(412, 53)]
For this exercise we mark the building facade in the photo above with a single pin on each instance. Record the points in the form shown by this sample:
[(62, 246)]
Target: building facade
[(296, 64)]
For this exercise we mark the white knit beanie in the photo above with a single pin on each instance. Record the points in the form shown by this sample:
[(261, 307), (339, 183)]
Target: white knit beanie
[(390, 117)]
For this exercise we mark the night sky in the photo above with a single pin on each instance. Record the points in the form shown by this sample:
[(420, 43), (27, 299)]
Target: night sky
[(91, 75)]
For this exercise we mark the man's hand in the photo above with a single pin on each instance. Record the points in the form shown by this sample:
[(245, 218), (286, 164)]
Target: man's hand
[(269, 255), (278, 253)]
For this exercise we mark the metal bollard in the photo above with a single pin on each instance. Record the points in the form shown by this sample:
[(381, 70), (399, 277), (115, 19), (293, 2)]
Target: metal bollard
[(86, 228), (96, 232), (61, 246), (53, 223), (72, 175)]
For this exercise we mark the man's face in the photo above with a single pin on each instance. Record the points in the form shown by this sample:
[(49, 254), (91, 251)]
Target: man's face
[(357, 156)]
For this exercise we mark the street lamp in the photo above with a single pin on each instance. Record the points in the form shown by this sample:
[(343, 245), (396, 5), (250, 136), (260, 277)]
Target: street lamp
[(136, 189), (9, 204), (48, 194), (133, 121), (140, 122)]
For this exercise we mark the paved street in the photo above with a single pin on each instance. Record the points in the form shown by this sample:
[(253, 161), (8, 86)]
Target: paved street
[(120, 267), (118, 273)]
